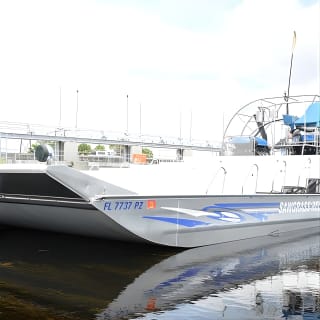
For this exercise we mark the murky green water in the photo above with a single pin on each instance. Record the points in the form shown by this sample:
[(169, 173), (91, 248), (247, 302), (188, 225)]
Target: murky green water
[(53, 276)]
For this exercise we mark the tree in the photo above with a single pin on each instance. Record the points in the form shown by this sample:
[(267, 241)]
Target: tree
[(148, 153), (84, 148), (33, 147), (117, 148), (100, 147)]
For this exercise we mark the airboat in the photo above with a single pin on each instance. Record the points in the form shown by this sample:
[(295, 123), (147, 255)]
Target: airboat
[(260, 185)]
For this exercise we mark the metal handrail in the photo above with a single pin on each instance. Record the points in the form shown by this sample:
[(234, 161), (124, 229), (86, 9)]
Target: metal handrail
[(254, 165), (214, 177)]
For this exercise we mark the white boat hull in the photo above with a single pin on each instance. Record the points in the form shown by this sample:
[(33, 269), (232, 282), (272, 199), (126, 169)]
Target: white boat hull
[(197, 221), (178, 221)]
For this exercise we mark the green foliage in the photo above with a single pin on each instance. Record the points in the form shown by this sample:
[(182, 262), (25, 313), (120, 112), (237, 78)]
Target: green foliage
[(100, 147), (148, 153), (33, 147), (84, 148), (114, 147), (117, 148)]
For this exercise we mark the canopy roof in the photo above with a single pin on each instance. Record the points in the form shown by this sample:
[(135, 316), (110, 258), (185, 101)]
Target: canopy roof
[(311, 118)]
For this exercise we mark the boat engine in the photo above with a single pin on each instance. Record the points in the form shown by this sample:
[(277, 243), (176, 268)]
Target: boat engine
[(44, 153)]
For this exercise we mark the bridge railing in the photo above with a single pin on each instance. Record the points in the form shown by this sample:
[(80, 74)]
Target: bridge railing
[(16, 130)]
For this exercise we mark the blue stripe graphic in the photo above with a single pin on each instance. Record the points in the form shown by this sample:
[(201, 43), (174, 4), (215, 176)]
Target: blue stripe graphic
[(183, 222), (237, 211), (243, 205), (226, 212)]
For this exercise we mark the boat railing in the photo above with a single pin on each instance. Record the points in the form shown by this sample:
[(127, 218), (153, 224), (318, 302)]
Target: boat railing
[(282, 170), (307, 166), (251, 174), (310, 185), (214, 178)]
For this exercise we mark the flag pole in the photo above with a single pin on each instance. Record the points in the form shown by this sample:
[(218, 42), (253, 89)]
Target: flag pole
[(288, 92)]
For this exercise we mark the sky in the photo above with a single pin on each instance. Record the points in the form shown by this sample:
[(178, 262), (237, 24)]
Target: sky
[(159, 67)]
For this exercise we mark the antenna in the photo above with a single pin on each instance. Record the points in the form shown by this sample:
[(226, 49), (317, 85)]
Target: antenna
[(287, 95), (60, 110)]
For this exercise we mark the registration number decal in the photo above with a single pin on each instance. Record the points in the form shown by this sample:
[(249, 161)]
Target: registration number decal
[(123, 205)]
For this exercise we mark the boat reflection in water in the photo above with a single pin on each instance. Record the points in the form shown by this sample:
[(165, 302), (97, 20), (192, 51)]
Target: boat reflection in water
[(265, 278), (63, 277)]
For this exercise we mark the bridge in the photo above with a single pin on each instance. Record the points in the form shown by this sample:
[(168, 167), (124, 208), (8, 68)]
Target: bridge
[(41, 133)]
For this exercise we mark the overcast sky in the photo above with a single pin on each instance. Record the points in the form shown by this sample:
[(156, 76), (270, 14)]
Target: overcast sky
[(173, 58)]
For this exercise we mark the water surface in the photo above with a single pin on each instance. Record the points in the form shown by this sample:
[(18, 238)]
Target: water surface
[(53, 276)]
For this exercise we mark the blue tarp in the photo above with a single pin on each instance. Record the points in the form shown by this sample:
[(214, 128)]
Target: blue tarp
[(307, 137), (261, 142), (241, 139), (311, 118), (289, 120), (248, 139)]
